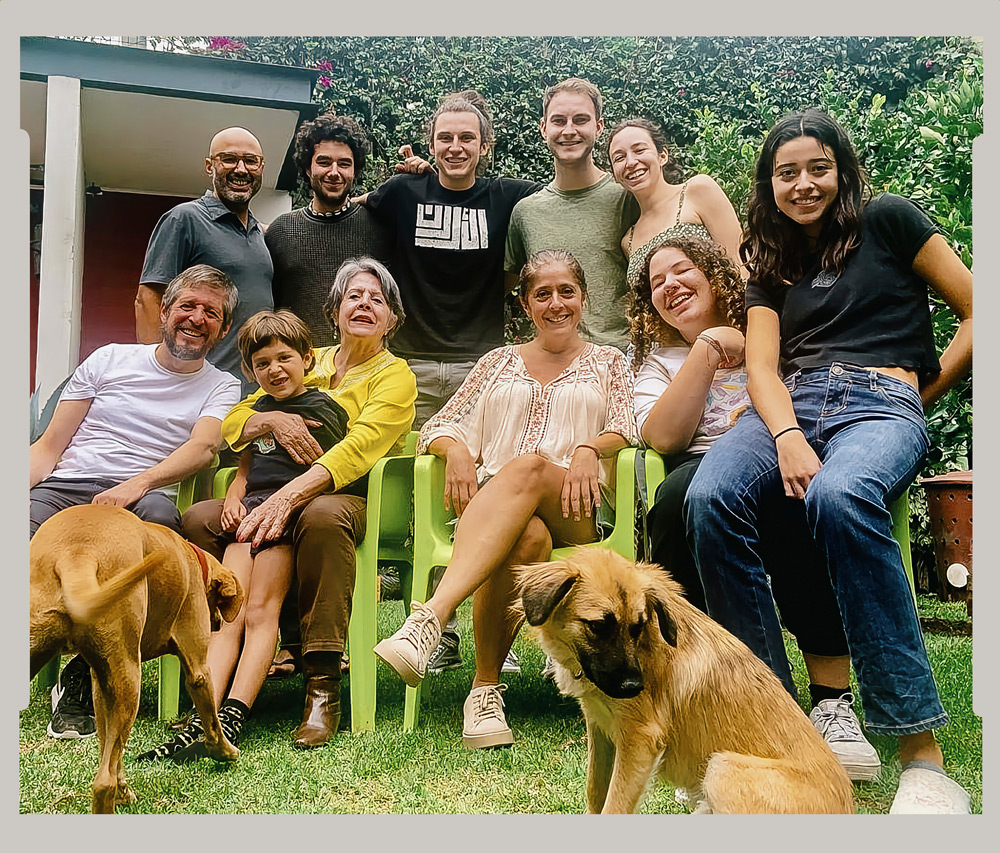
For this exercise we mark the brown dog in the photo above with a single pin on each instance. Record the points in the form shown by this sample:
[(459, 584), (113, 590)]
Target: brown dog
[(120, 591), (666, 691)]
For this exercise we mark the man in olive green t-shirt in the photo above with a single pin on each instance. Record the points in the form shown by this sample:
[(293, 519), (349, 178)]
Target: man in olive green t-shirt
[(582, 211)]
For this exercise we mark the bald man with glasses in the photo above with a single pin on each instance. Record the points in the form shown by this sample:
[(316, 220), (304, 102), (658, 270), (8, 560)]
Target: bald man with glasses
[(217, 229)]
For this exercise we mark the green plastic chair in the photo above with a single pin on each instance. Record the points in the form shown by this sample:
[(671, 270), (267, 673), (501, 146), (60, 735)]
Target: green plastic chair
[(899, 509), (432, 534), (387, 538)]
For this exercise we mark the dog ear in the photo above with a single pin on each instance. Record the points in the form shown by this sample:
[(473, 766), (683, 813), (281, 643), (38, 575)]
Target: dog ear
[(543, 586), (225, 595), (668, 628)]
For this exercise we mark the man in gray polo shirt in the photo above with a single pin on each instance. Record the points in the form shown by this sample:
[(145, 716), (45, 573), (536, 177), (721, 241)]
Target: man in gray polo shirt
[(217, 229)]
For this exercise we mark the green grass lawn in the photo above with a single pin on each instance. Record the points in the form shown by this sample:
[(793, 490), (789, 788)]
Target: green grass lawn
[(427, 771)]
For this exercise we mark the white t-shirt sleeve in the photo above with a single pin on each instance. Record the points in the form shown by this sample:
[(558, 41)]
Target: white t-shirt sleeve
[(652, 380), (85, 383), (225, 395)]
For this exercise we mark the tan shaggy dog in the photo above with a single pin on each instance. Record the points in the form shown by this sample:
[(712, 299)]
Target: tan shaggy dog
[(666, 691), (119, 591)]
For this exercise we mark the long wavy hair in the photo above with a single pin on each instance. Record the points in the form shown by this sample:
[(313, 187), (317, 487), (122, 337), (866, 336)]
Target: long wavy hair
[(648, 329), (775, 245)]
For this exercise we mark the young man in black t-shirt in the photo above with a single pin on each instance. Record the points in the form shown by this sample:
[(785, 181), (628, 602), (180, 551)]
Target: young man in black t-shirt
[(449, 230)]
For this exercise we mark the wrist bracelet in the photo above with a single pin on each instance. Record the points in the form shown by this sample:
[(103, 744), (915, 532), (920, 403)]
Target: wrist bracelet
[(714, 344), (787, 429), (589, 447)]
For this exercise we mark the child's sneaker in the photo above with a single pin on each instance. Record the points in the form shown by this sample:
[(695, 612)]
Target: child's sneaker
[(184, 738)]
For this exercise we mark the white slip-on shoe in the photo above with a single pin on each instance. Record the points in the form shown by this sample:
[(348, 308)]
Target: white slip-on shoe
[(923, 791)]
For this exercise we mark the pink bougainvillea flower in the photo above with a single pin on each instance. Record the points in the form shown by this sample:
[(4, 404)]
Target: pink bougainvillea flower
[(225, 44), (324, 81), (325, 65)]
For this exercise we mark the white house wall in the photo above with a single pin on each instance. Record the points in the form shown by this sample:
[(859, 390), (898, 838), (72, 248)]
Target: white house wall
[(61, 279)]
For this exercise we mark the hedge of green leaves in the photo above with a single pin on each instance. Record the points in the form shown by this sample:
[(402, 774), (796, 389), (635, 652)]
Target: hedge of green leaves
[(913, 107)]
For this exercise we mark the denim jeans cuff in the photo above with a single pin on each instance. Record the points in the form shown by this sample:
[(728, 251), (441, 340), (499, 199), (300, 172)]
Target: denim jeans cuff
[(937, 722)]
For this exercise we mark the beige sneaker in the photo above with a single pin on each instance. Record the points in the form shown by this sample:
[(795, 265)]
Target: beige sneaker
[(408, 650), (485, 723)]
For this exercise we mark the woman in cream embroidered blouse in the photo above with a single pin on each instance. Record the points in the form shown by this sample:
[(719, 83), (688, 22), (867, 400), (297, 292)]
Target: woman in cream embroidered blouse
[(528, 441)]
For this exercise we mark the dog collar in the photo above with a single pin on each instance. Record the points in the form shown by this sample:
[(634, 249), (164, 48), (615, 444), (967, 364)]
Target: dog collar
[(202, 561)]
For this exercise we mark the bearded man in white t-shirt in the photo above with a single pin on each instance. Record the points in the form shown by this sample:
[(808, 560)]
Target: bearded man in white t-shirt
[(133, 420)]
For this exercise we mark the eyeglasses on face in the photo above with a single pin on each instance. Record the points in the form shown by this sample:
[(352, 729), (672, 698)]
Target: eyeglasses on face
[(230, 160)]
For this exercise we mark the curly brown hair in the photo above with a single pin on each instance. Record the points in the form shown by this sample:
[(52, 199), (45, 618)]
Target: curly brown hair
[(647, 328)]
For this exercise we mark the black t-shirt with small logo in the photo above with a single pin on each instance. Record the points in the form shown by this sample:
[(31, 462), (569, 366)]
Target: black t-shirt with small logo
[(876, 313), (448, 249), (271, 466)]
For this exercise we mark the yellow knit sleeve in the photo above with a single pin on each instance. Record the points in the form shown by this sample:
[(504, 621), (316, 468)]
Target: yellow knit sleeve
[(385, 410)]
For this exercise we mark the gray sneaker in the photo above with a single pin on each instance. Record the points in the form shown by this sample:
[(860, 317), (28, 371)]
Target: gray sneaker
[(836, 721), (447, 655), (484, 722), (408, 650)]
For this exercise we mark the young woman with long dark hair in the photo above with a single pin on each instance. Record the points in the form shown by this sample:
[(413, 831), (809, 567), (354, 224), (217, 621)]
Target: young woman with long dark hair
[(841, 364)]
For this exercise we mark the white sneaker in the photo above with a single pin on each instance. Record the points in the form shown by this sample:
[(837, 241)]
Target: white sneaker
[(511, 663), (924, 791), (485, 723), (836, 721), (408, 650)]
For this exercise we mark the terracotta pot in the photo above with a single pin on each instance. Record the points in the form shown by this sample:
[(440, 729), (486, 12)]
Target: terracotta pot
[(949, 505)]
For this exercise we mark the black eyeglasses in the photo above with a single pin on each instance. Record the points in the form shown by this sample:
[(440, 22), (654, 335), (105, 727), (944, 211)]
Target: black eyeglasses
[(253, 162)]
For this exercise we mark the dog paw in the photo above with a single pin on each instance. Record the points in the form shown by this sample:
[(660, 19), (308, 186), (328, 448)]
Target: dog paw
[(224, 752)]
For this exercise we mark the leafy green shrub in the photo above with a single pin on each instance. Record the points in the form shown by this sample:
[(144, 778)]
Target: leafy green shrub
[(913, 107)]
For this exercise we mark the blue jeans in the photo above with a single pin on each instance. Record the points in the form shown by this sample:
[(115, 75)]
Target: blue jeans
[(868, 431)]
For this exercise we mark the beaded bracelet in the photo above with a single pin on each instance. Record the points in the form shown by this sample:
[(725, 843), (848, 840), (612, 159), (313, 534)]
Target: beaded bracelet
[(589, 447), (788, 429)]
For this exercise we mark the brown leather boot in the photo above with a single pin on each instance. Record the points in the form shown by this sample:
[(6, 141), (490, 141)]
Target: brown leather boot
[(321, 717)]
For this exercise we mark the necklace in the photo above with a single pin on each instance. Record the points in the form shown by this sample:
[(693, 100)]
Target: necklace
[(333, 214)]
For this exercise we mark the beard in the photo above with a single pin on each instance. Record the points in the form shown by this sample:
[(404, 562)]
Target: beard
[(184, 348), (328, 199), (230, 187)]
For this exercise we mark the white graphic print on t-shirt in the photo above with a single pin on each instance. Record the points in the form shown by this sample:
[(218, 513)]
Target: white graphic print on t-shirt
[(447, 226)]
